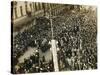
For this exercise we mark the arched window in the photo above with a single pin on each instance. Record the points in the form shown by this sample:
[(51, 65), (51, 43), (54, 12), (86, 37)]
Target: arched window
[(21, 10), (26, 7), (35, 6), (31, 6), (43, 6), (15, 9), (39, 5)]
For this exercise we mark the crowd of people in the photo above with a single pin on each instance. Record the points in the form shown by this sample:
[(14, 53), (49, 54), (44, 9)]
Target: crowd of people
[(76, 35), (83, 34), (32, 36), (34, 65)]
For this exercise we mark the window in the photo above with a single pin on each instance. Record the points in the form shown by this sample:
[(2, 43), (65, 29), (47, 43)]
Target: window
[(39, 6), (21, 10), (26, 7), (15, 12), (35, 6), (31, 6)]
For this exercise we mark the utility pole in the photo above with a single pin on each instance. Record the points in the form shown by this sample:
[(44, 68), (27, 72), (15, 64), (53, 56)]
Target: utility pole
[(53, 46)]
